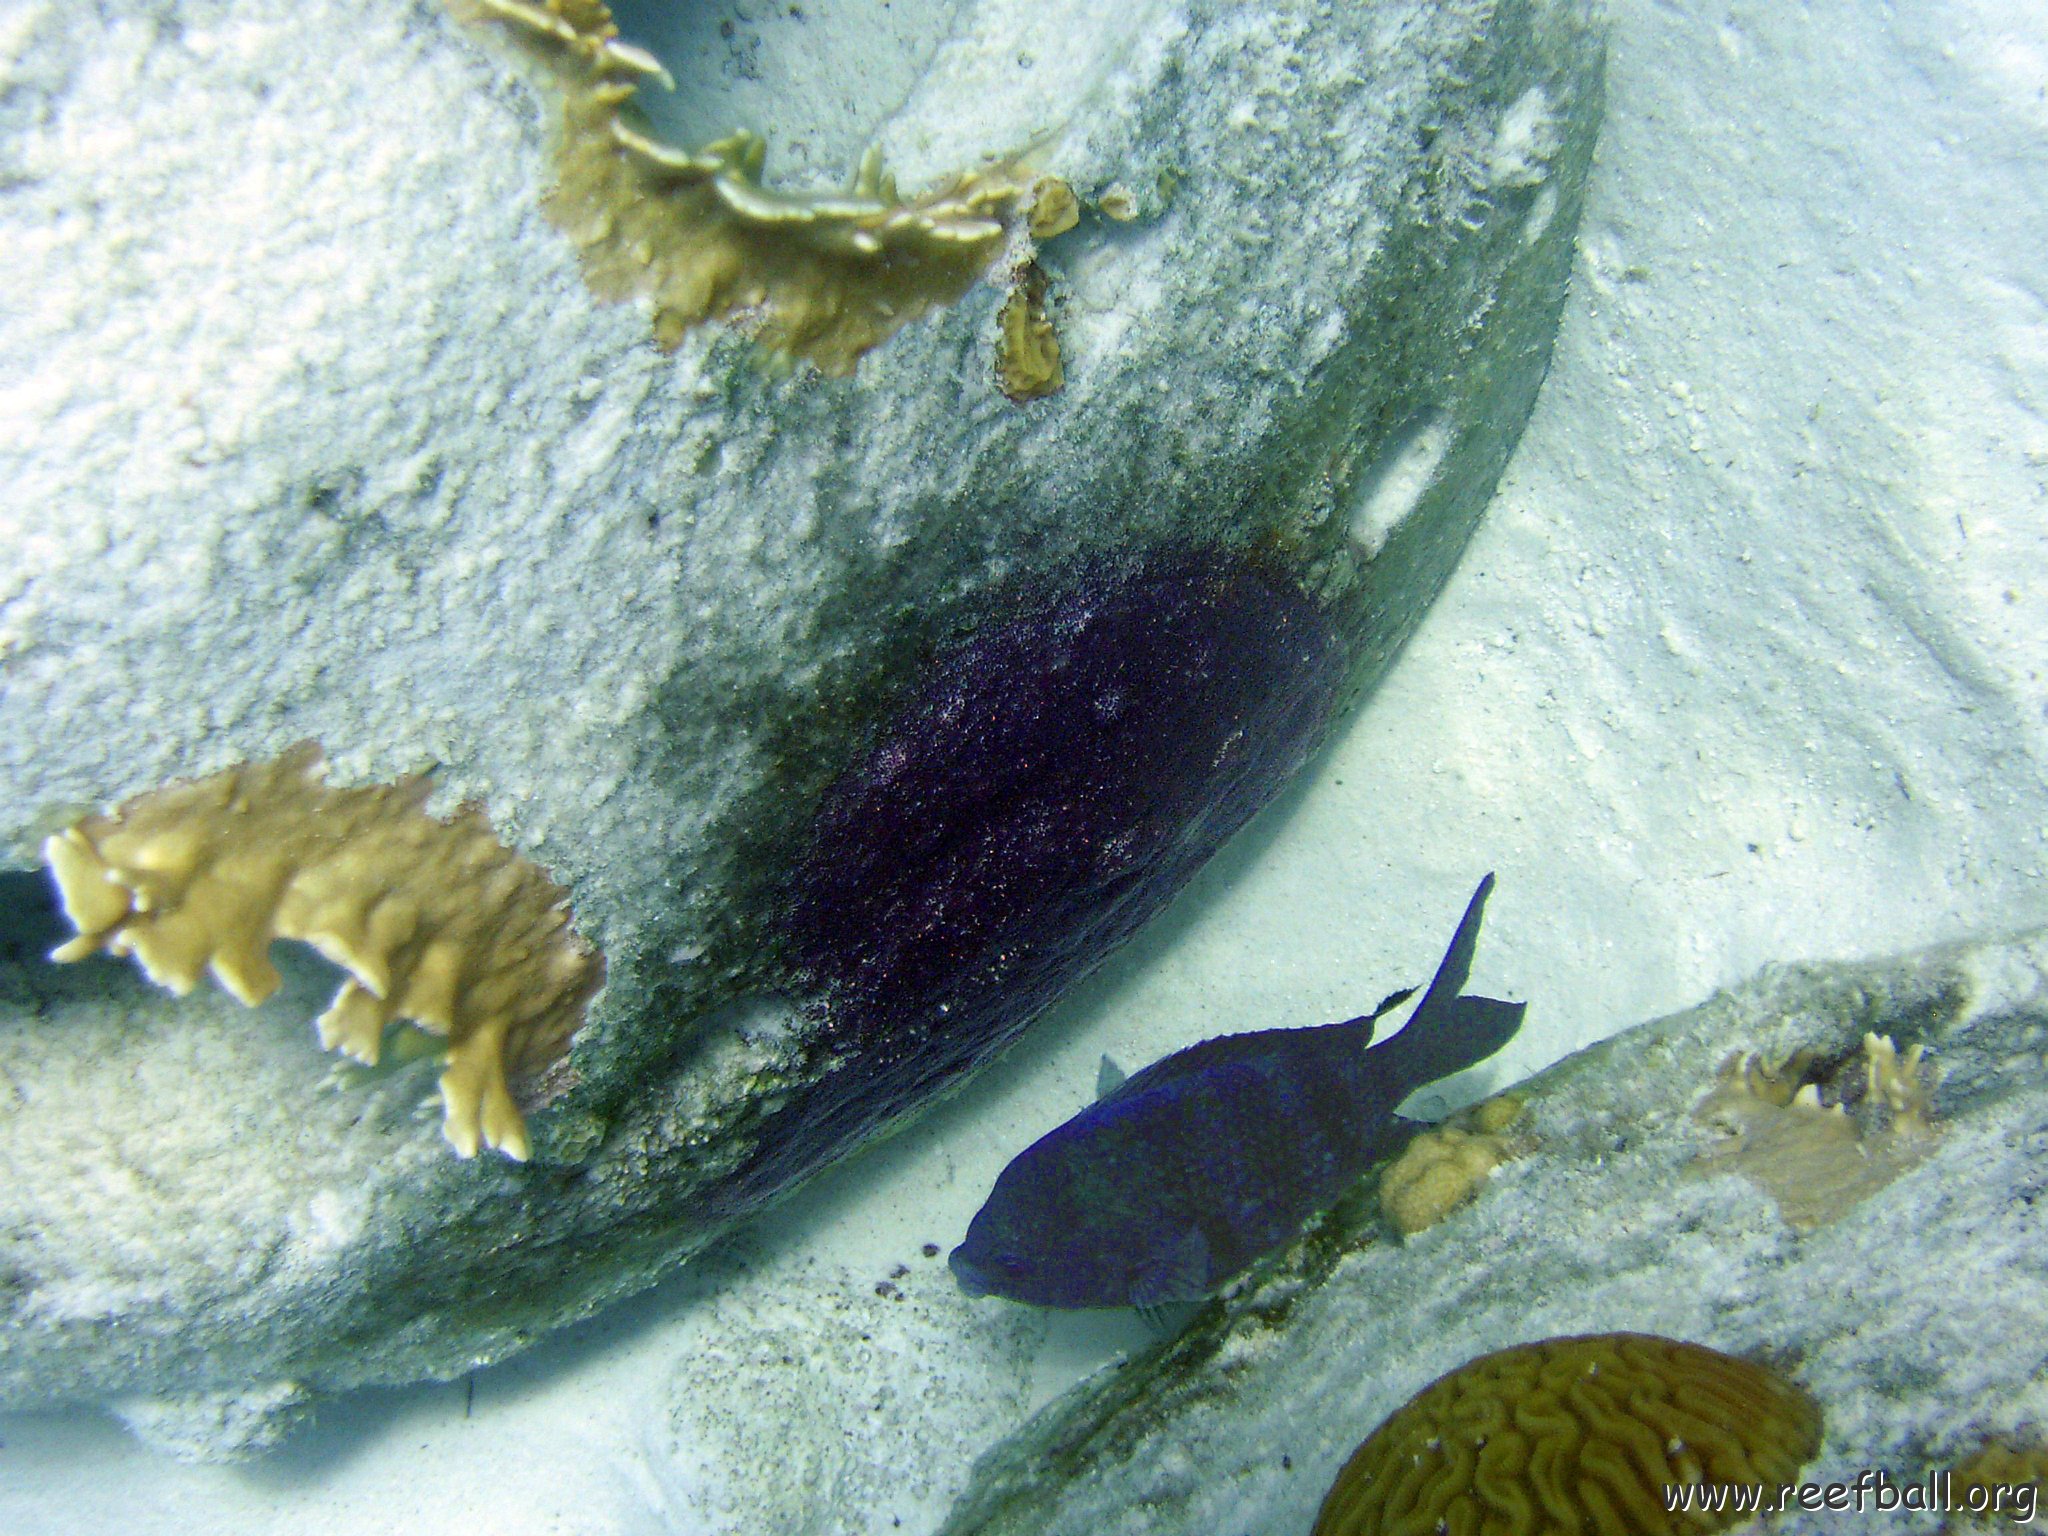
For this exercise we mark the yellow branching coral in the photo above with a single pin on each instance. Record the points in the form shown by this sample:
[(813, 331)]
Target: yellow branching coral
[(1577, 1434), (436, 922), (825, 277), (1443, 1168), (1818, 1141)]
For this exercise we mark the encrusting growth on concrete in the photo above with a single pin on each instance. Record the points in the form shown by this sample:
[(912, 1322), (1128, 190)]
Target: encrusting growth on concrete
[(1818, 1140), (1054, 208), (436, 922), (821, 276), (1028, 355), (1443, 1168)]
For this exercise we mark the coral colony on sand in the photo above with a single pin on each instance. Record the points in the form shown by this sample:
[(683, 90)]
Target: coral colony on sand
[(1819, 1137)]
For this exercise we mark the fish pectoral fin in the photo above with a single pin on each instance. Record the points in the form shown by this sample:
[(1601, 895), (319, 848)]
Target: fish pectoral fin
[(1177, 1276), (1165, 1321), (1108, 1077)]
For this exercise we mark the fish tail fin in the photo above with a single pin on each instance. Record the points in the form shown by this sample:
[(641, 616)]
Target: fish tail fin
[(1447, 1032), (1477, 1027)]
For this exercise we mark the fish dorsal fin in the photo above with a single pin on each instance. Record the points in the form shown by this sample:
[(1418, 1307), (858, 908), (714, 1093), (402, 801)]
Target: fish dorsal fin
[(1365, 1022), (1108, 1077), (1180, 1274), (1390, 1002)]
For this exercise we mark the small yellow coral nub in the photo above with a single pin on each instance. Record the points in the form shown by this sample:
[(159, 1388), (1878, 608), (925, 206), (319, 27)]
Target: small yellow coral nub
[(1443, 1168), (1028, 355), (436, 922), (1054, 208), (1439, 1172)]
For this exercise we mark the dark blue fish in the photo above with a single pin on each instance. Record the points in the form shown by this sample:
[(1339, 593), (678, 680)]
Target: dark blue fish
[(1180, 1176)]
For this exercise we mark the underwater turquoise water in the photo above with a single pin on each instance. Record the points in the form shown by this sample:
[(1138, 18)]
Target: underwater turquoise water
[(1742, 666)]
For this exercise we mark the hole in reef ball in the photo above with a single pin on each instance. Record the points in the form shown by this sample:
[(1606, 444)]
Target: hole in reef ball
[(1040, 790)]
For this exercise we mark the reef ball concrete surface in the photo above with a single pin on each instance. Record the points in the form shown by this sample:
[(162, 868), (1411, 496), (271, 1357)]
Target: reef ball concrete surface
[(1913, 1313), (312, 430)]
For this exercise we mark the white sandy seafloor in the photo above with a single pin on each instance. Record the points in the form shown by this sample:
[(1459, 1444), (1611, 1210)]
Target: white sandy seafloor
[(1748, 662)]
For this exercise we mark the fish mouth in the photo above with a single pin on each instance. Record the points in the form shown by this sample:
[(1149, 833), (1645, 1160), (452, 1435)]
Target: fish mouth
[(973, 1279)]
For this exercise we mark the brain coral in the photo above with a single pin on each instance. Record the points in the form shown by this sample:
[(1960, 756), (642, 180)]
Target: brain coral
[(1573, 1435)]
